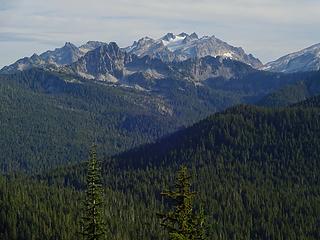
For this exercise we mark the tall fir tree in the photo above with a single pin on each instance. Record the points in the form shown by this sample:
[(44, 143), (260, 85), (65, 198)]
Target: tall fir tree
[(93, 227), (181, 222)]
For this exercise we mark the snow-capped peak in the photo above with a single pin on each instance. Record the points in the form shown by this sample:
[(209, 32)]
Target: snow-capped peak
[(183, 34), (173, 42), (307, 59), (172, 47), (90, 45)]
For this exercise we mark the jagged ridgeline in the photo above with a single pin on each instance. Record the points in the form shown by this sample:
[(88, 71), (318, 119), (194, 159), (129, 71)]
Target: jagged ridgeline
[(256, 171)]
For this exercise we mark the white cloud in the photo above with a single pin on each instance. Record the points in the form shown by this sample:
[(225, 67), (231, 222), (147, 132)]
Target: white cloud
[(267, 28)]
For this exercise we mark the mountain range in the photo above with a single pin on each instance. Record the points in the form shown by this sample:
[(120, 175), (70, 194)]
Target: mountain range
[(170, 48)]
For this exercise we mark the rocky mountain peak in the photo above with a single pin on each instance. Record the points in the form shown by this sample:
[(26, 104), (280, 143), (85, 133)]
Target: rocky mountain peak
[(168, 37), (69, 45), (183, 34), (180, 47), (194, 36)]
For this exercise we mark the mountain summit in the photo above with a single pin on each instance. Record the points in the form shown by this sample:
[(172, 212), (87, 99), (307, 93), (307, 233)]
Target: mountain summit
[(183, 46)]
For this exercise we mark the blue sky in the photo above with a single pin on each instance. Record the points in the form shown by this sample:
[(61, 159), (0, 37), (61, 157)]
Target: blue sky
[(266, 28)]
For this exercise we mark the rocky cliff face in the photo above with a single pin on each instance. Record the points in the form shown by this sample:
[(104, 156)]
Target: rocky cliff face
[(106, 62), (112, 64), (68, 54)]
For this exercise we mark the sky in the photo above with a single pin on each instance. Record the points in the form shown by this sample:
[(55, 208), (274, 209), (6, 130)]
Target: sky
[(268, 29)]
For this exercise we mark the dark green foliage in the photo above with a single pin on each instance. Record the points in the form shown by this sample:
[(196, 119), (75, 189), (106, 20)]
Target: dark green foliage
[(256, 171), (181, 222), (286, 96), (92, 225), (293, 93), (313, 102), (47, 122), (32, 210)]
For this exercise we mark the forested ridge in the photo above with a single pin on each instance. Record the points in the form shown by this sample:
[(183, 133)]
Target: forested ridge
[(293, 93), (49, 119), (256, 171)]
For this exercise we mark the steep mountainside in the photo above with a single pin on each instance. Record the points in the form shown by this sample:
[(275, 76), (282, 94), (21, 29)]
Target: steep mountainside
[(69, 53), (305, 60), (105, 63)]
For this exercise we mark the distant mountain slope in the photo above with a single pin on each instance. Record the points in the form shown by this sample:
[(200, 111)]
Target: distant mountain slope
[(293, 93), (302, 61), (173, 47), (52, 59), (313, 102), (49, 120)]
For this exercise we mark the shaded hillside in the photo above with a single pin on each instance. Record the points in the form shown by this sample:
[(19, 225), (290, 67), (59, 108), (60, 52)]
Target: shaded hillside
[(293, 93), (313, 102)]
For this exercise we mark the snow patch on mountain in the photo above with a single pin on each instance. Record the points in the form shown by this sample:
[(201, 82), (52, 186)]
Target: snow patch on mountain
[(90, 45), (228, 55), (174, 43)]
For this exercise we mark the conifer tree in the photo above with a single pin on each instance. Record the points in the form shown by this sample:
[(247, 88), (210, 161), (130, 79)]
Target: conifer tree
[(92, 221), (181, 222)]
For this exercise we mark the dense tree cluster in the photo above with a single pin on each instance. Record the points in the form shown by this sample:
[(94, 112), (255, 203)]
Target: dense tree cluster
[(256, 171)]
